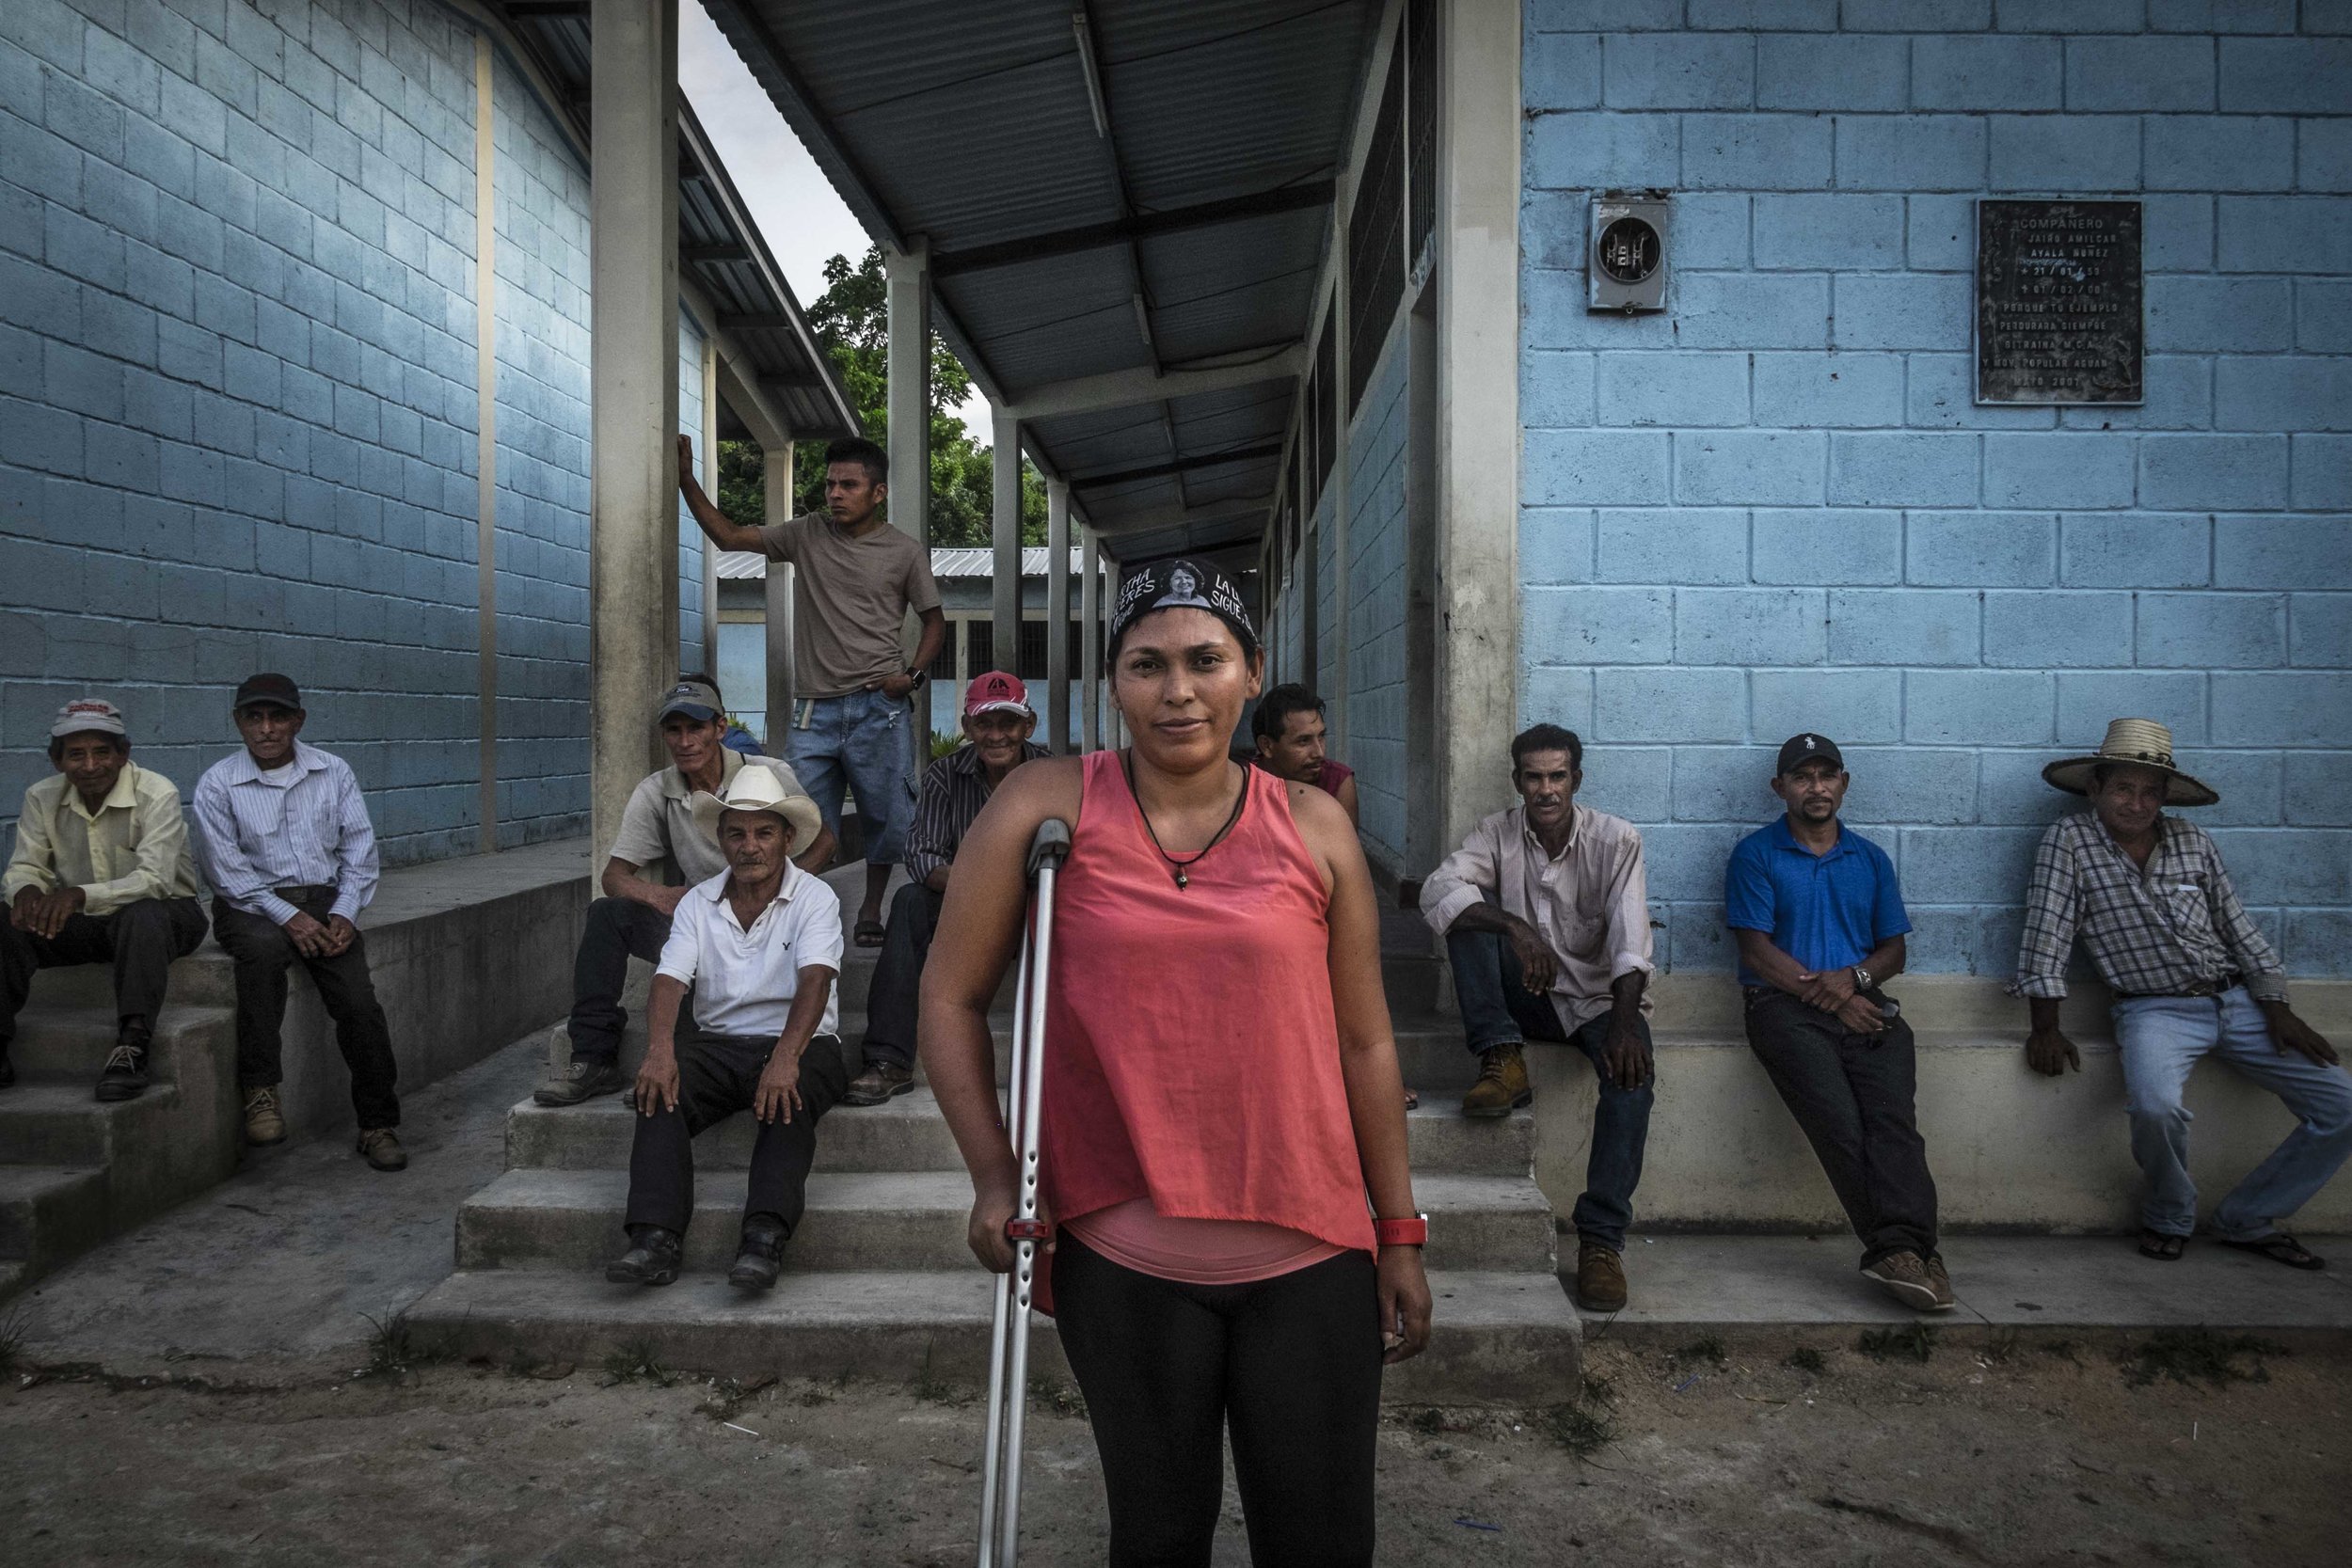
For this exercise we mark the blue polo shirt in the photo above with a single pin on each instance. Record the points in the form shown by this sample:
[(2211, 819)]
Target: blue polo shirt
[(1826, 911)]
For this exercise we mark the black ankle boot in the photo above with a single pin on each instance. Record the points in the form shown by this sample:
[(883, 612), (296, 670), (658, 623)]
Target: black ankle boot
[(652, 1257), (760, 1258), (125, 1075)]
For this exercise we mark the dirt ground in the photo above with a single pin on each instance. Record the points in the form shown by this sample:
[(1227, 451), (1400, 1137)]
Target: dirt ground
[(1999, 1451)]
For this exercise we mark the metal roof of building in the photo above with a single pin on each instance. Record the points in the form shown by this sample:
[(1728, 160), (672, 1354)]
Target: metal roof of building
[(720, 248), (741, 566), (1067, 230)]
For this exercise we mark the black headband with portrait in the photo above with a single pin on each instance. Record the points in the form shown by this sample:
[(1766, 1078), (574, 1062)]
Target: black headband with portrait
[(1180, 585)]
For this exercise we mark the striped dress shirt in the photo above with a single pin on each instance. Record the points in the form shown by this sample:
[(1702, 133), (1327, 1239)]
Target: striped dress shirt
[(305, 825), (954, 789)]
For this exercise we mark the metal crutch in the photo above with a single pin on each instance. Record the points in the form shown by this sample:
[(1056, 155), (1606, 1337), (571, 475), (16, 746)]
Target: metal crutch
[(1009, 1340)]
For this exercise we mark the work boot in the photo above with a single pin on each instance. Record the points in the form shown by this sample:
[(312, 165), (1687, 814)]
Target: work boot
[(265, 1123), (585, 1078), (1904, 1275), (1502, 1087), (1600, 1278), (760, 1258), (381, 1144), (652, 1257), (124, 1076), (879, 1082)]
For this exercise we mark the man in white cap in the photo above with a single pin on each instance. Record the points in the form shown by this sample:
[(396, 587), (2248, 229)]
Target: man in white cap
[(656, 857), (2191, 977), (997, 723), (102, 873), (760, 943)]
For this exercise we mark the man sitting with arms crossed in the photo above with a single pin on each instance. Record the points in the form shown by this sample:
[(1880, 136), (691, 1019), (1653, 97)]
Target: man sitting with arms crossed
[(1545, 909), (101, 873), (856, 578), (760, 943), (291, 855), (657, 840), (2192, 976), (1820, 923), (997, 723), (1290, 733)]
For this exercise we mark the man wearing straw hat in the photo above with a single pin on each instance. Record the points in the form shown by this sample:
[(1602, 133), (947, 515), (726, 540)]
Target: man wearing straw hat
[(760, 943), (2191, 976)]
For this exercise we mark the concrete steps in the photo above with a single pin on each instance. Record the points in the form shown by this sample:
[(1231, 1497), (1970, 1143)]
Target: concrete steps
[(70, 1044), (47, 1213)]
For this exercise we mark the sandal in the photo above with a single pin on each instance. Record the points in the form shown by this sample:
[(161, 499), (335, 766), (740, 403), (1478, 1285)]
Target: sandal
[(2162, 1245), (870, 933), (2279, 1247)]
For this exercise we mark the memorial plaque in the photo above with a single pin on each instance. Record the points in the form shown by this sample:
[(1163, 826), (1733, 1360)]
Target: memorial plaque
[(2059, 302)]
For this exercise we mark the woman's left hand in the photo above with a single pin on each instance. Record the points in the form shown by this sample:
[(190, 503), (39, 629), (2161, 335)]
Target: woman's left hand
[(1404, 1304)]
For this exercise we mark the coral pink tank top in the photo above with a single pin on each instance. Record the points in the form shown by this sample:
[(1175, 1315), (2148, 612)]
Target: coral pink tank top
[(1192, 1053)]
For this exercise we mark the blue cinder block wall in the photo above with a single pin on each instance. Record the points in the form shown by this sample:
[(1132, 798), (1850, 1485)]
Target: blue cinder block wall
[(238, 399), (1774, 507), (1376, 601)]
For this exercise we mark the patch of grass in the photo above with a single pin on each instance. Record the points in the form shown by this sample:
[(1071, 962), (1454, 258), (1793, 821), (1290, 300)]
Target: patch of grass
[(1601, 1390), (1804, 1358), (1911, 1343), (2199, 1355), (1063, 1399), (1706, 1348), (12, 1344), (1582, 1432), (394, 1348), (928, 1387), (633, 1359)]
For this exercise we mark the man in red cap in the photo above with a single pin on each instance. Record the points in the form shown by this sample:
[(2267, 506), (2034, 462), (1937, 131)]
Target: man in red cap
[(997, 723)]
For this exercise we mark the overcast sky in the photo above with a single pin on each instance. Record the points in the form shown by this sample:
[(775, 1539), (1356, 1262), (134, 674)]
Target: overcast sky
[(801, 219)]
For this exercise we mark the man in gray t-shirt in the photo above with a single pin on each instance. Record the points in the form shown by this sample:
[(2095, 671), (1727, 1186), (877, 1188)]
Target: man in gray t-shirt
[(658, 855), (850, 723)]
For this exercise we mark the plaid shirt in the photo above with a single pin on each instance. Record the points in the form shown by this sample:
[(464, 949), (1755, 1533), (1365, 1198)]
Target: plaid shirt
[(2157, 932), (954, 789)]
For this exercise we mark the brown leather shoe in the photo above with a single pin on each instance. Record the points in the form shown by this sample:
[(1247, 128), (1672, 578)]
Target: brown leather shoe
[(878, 1083), (1904, 1275), (381, 1144), (1502, 1087), (265, 1123), (1600, 1278)]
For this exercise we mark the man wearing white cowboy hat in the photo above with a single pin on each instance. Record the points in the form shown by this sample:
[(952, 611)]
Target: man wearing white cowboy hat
[(760, 943), (2192, 976)]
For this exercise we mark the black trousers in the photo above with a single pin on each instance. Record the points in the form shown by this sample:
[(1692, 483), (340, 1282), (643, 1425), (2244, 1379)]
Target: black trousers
[(263, 953), (898, 987), (1853, 1095), (718, 1076), (140, 939), (1289, 1366), (617, 930)]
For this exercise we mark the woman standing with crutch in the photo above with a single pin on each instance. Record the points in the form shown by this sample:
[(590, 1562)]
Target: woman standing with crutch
[(1221, 1097)]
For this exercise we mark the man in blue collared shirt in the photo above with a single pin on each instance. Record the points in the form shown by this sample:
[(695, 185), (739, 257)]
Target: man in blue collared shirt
[(1820, 923), (291, 855)]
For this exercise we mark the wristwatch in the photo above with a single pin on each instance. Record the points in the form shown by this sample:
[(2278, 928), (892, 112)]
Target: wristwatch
[(915, 677), (1861, 978), (1403, 1232)]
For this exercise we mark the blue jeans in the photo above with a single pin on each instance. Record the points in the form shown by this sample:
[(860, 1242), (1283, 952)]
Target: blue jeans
[(1499, 1009), (860, 740), (2160, 1038)]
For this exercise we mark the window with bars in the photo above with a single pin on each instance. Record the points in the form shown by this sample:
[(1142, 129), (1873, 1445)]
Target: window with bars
[(1376, 239), (980, 646), (1326, 397), (943, 667), (1421, 126)]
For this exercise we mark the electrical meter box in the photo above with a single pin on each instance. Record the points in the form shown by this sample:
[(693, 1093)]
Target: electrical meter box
[(1627, 269)]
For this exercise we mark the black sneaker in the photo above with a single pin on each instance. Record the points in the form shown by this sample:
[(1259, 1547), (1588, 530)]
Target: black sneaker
[(760, 1259), (586, 1078), (652, 1257), (125, 1073)]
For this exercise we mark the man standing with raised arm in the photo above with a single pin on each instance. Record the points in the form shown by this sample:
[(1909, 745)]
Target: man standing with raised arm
[(850, 722)]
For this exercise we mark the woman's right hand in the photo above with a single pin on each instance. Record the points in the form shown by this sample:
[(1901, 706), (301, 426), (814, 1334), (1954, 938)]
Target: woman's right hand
[(990, 1210)]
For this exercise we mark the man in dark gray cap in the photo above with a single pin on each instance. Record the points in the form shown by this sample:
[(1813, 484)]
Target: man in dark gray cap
[(101, 873), (658, 855)]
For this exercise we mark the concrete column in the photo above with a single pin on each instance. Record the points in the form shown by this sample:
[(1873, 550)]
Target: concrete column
[(776, 477), (633, 551), (1478, 402), (1057, 613), (907, 294), (1005, 596), (1090, 637), (708, 443)]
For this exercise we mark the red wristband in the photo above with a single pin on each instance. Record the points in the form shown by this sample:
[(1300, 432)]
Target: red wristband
[(1405, 1232)]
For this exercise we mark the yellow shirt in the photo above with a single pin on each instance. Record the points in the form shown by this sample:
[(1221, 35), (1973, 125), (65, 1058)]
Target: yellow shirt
[(133, 846)]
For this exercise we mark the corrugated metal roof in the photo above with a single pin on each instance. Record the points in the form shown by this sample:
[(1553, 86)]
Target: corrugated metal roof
[(743, 565), (971, 125)]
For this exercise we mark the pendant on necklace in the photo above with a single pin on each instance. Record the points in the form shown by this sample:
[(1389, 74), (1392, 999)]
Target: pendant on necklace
[(1183, 881)]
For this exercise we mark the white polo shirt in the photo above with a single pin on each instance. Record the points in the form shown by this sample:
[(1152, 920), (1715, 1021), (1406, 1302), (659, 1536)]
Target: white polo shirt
[(744, 980)]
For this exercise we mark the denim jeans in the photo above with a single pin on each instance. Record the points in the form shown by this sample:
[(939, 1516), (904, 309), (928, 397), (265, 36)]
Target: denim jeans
[(861, 740), (2160, 1038), (1853, 1095), (1499, 1009)]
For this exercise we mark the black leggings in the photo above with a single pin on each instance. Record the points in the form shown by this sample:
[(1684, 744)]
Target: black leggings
[(1292, 1365)]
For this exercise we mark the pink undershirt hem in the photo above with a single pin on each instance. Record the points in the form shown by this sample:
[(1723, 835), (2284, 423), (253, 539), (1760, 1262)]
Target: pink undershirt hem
[(1136, 1236)]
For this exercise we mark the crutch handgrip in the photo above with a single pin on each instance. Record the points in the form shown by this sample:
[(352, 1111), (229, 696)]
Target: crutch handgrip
[(1018, 1229), (1051, 846)]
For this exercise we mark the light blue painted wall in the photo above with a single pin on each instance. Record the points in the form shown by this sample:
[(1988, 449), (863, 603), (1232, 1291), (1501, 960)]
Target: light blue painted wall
[(1775, 508), (690, 653), (1376, 602)]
